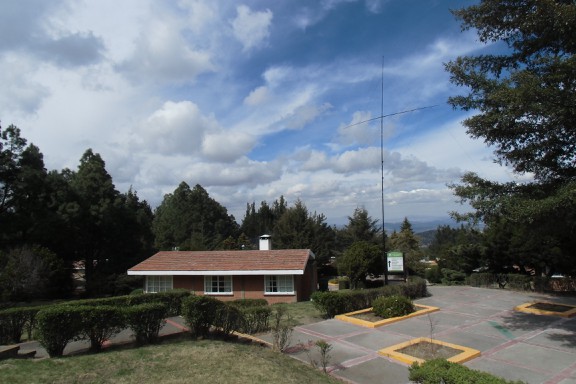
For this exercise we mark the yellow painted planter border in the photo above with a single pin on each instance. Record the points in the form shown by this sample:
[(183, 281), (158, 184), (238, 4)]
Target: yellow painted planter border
[(526, 309), (392, 352), (348, 317)]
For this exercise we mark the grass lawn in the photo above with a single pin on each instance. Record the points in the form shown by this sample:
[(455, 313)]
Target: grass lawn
[(173, 361), (303, 312)]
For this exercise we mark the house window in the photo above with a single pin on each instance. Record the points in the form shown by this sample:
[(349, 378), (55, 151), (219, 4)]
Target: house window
[(156, 284), (282, 284), (218, 284)]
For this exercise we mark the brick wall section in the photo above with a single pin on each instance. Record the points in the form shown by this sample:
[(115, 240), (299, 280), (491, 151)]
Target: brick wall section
[(244, 287)]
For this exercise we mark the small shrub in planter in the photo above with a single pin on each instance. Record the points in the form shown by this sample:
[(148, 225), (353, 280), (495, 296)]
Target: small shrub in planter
[(146, 321), (392, 306), (443, 371), (58, 325)]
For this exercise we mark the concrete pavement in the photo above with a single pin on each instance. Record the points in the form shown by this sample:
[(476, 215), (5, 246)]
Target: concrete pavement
[(513, 345)]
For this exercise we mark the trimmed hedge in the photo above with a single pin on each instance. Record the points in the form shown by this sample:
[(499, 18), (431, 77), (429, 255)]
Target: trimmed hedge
[(255, 315), (452, 277), (442, 371), (14, 321), (333, 303), (58, 325), (392, 306), (199, 312), (146, 321), (100, 324)]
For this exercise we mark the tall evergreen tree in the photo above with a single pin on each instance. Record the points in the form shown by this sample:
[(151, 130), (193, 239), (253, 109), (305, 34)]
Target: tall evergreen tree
[(525, 99), (191, 220)]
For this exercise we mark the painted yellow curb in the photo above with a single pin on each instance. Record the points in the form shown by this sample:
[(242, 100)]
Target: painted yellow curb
[(348, 317), (392, 352), (526, 309)]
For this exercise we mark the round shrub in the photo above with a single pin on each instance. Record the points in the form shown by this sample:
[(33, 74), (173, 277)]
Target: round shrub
[(392, 306), (58, 325), (146, 321), (200, 312)]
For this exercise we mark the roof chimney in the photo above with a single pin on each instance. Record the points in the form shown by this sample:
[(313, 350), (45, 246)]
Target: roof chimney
[(265, 243)]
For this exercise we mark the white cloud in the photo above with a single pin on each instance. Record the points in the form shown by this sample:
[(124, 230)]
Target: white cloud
[(162, 54), (258, 96), (175, 128), (251, 28)]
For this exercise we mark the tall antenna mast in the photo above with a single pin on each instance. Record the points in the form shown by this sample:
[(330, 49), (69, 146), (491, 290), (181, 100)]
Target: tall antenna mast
[(382, 173)]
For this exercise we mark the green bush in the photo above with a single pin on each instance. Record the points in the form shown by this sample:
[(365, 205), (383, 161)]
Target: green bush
[(249, 303), (199, 312), (14, 321), (146, 321), (334, 303), (392, 306), (58, 325), (255, 319), (482, 280), (518, 282), (172, 299), (452, 277), (228, 319), (100, 324), (433, 274), (441, 371)]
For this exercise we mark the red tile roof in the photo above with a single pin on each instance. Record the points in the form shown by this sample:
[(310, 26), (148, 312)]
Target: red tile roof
[(236, 262)]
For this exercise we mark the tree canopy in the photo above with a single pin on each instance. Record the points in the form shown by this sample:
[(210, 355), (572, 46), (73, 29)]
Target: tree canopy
[(524, 97)]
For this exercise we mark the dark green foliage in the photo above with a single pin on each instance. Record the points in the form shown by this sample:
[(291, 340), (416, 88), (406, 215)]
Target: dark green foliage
[(297, 228), (360, 260), (452, 277), (58, 325), (255, 319), (333, 303), (523, 98), (392, 306), (518, 282), (146, 321), (482, 279), (100, 323), (408, 243), (14, 321), (255, 315), (433, 274), (30, 272), (191, 220), (227, 319), (171, 299), (199, 312), (441, 371)]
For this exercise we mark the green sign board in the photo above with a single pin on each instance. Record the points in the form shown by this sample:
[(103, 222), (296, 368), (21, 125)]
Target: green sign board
[(395, 262)]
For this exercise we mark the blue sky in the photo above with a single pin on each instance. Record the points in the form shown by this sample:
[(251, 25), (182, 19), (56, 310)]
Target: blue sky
[(250, 99)]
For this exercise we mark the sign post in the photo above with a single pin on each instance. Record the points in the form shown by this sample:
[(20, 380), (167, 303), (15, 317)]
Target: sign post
[(395, 262)]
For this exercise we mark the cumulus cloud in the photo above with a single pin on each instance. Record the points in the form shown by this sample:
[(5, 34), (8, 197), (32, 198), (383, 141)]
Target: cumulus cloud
[(176, 128), (162, 54), (250, 28), (226, 146)]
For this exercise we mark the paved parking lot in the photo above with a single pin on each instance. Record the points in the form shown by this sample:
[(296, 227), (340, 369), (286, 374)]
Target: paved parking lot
[(513, 345)]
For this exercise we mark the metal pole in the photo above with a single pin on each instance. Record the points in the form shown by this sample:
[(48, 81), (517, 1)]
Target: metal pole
[(382, 173)]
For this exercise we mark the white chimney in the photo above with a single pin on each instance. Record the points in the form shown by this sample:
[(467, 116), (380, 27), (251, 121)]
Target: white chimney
[(265, 243)]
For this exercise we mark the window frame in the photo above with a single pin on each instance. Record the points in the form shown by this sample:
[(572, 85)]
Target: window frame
[(279, 284), (158, 283), (224, 279)]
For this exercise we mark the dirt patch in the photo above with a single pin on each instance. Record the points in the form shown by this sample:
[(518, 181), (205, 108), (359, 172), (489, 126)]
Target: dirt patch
[(551, 307), (427, 351)]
